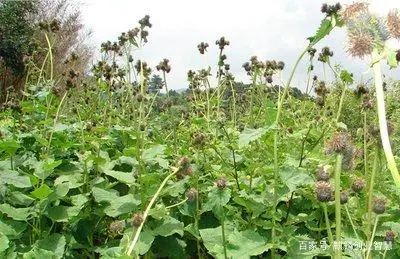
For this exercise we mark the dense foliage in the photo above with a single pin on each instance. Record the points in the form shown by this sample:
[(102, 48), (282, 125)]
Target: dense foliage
[(114, 168)]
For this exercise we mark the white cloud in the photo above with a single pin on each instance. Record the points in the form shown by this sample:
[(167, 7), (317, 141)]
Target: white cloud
[(268, 29)]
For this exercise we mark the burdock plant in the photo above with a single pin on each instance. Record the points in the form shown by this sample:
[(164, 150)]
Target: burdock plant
[(367, 36), (341, 145)]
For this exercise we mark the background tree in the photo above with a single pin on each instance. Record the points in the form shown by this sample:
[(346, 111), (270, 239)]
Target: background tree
[(23, 46), (16, 33)]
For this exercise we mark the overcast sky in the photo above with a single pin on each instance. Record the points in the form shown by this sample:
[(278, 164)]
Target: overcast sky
[(267, 29)]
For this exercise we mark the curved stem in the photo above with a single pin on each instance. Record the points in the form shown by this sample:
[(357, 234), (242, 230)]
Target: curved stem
[(351, 221), (146, 212), (50, 55), (382, 119), (55, 121), (372, 237), (177, 204), (370, 193)]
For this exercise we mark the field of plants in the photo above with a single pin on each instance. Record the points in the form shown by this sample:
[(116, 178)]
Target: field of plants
[(114, 164)]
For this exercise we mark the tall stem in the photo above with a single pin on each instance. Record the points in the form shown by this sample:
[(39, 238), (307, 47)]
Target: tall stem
[(146, 212), (165, 83), (370, 193), (50, 55), (223, 235), (55, 121), (276, 139), (328, 225), (338, 227), (341, 103), (372, 237), (382, 118)]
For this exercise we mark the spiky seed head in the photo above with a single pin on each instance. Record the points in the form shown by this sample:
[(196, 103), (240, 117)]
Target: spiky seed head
[(393, 23), (344, 197), (340, 143), (116, 227), (323, 191), (192, 194), (185, 167), (389, 236), (137, 219), (221, 183), (322, 173), (350, 11), (379, 205), (360, 44), (358, 184)]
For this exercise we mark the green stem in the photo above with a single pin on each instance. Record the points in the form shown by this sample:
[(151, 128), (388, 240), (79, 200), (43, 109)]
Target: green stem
[(176, 204), (351, 221), (50, 55), (146, 212), (341, 103), (365, 143), (223, 235), (55, 120), (328, 225), (370, 193), (338, 227), (372, 237), (276, 140), (382, 118), (165, 82)]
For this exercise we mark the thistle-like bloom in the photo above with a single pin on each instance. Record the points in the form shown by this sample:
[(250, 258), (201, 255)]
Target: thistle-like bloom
[(341, 143), (360, 44), (323, 191), (353, 10), (393, 23)]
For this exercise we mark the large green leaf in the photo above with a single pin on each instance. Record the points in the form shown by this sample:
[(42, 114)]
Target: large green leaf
[(323, 30), (238, 244), (45, 168), (294, 177), (217, 198), (54, 243), (36, 253), (59, 191), (3, 242), (116, 205), (42, 192), (9, 146), (16, 213), (74, 180), (13, 178), (249, 135), (169, 227), (155, 155), (62, 213), (123, 177), (144, 243), (12, 228), (18, 198)]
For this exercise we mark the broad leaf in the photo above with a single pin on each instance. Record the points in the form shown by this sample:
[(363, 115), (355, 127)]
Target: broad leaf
[(294, 177), (13, 178), (54, 243), (3, 242), (249, 135), (169, 227), (16, 213)]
